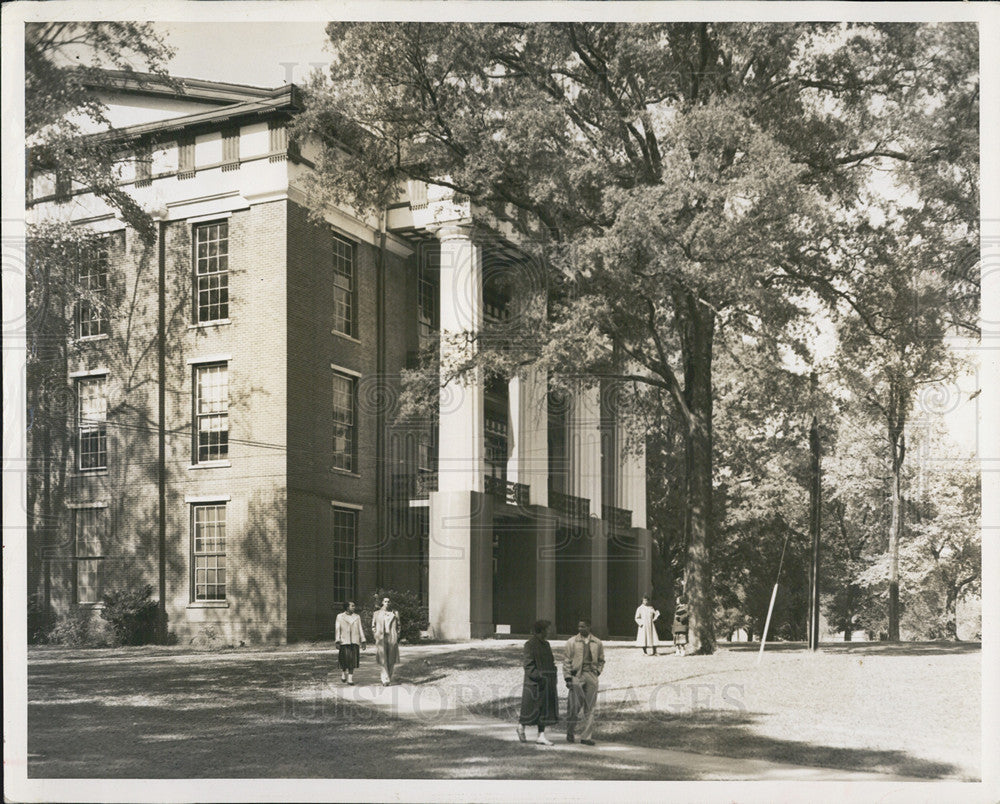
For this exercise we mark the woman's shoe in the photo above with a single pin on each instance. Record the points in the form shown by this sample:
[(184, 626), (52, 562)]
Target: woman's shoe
[(520, 733), (543, 740)]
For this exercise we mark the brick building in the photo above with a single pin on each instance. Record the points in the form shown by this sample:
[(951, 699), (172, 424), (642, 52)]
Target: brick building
[(288, 483)]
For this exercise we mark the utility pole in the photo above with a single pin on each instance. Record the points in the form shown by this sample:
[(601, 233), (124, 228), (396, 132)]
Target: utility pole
[(814, 524), (161, 462)]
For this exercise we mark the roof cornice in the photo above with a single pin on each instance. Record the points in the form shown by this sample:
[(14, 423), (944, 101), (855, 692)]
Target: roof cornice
[(284, 100), (192, 89)]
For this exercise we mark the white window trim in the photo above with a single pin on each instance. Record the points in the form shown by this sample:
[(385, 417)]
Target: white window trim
[(78, 505), (347, 505), (211, 464), (218, 216), (342, 370), (210, 498), (98, 372), (194, 361), (219, 322)]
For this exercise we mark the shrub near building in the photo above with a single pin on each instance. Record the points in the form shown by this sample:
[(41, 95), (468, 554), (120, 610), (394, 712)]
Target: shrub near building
[(413, 616)]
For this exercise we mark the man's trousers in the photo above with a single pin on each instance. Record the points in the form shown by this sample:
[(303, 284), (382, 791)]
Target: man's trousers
[(581, 705)]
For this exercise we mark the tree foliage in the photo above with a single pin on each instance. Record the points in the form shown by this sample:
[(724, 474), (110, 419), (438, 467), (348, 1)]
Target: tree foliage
[(681, 184)]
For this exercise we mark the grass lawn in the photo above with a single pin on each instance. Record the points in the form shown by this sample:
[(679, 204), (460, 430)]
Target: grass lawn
[(909, 709), (133, 713), (127, 714)]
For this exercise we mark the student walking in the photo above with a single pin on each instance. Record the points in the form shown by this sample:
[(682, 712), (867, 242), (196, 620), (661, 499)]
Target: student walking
[(385, 630), (350, 637), (646, 617), (539, 695), (583, 661)]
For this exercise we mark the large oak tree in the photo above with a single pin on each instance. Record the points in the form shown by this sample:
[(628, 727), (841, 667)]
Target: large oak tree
[(678, 182)]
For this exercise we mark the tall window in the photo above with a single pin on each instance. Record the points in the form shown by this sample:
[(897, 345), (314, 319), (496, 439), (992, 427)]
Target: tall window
[(343, 287), (92, 423), (345, 529), (211, 272), (211, 412), (344, 422), (427, 292), (208, 536), (92, 280), (496, 446), (88, 550)]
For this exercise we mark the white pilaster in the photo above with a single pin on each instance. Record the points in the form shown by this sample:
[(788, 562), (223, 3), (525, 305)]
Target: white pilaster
[(461, 447), (583, 443)]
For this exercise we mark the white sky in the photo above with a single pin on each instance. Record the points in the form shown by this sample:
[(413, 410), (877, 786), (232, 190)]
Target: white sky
[(265, 54)]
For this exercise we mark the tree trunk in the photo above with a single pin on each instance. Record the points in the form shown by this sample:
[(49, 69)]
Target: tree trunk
[(697, 335), (895, 528), (848, 614), (951, 613)]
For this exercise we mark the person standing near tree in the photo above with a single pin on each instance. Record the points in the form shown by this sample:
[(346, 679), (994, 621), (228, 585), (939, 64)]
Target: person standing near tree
[(349, 637), (680, 625), (583, 661), (646, 617), (539, 695), (385, 631)]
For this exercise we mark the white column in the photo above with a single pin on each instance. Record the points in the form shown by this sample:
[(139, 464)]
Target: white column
[(461, 447), (527, 429), (630, 488), (583, 444)]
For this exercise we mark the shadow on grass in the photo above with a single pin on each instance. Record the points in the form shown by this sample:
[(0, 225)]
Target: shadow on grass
[(728, 733), (422, 671), (274, 717), (863, 648)]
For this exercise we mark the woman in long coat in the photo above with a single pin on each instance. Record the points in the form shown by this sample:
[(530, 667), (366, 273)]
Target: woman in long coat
[(539, 695), (645, 617), (349, 637), (385, 629)]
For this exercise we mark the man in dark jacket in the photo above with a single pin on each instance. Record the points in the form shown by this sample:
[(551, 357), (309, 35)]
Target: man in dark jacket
[(539, 698)]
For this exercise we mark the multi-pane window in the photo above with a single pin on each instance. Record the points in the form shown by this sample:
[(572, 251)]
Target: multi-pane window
[(211, 412), (92, 279), (344, 422), (88, 539), (211, 280), (343, 286), (496, 446), (92, 423), (209, 551), (345, 530), (427, 292)]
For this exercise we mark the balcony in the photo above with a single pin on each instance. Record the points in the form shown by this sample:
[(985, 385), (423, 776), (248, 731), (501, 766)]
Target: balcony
[(505, 490), (618, 518), (577, 507)]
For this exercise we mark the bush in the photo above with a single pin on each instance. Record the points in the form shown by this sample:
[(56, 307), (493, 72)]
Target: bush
[(132, 614), (412, 614), (40, 621), (76, 628)]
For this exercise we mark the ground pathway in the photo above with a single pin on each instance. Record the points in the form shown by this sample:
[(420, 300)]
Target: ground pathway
[(431, 709)]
